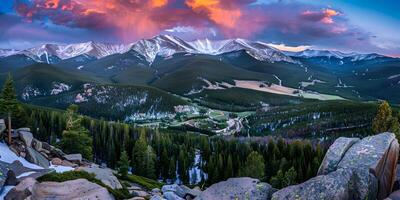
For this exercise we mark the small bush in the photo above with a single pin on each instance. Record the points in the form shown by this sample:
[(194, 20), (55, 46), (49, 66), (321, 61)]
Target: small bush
[(145, 182)]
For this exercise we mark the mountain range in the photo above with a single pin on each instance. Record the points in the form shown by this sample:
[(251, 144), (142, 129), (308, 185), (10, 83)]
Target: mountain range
[(210, 72)]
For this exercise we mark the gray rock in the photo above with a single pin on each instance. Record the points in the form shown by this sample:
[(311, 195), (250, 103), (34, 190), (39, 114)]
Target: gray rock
[(26, 137), (157, 197), (335, 154), (22, 190), (37, 145), (367, 170), (156, 190), (137, 198), (184, 191), (57, 153), (24, 129), (74, 157), (376, 155), (4, 168), (56, 161), (334, 186), (171, 196), (394, 196), (169, 188), (75, 189), (47, 146), (105, 175), (2, 125), (19, 169), (141, 193), (237, 188), (11, 178), (35, 157)]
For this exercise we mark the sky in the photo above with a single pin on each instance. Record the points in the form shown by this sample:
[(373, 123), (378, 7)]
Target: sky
[(363, 26)]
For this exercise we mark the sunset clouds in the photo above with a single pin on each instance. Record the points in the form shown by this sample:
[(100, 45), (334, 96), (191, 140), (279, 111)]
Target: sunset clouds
[(288, 22)]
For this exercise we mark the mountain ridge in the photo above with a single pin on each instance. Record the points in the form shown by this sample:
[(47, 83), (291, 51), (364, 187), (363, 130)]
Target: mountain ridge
[(167, 45)]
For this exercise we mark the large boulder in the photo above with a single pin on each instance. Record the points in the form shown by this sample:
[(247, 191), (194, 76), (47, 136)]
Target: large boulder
[(335, 154), (74, 157), (4, 168), (376, 155), (26, 137), (37, 158), (334, 186), (237, 188), (68, 190), (22, 190), (366, 170), (105, 175)]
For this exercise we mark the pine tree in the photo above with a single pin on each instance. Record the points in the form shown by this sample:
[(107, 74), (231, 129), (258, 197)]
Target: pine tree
[(75, 138), (229, 168), (139, 154), (9, 103), (123, 164), (382, 119), (254, 166), (172, 168), (150, 160), (395, 127), (277, 180), (290, 177)]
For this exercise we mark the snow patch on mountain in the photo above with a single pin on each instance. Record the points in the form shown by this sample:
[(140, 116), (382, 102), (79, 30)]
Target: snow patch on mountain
[(259, 50), (310, 53), (7, 52), (59, 88), (29, 92)]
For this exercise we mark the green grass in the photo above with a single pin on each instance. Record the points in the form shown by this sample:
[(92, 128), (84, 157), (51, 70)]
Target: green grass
[(119, 194), (143, 181)]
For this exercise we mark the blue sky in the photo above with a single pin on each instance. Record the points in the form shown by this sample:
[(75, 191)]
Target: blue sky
[(347, 25)]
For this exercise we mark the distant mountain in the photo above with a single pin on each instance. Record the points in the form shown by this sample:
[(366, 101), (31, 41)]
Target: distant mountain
[(49, 53), (310, 53), (162, 45), (258, 50), (7, 52)]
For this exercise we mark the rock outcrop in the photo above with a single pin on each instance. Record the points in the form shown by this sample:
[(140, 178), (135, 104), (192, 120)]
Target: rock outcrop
[(237, 188), (22, 190), (352, 169), (75, 189), (105, 175)]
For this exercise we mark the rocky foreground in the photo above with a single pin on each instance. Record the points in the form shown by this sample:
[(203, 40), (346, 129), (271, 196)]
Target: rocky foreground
[(352, 169)]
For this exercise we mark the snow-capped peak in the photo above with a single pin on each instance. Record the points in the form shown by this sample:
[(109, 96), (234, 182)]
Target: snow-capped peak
[(7, 52), (98, 50), (162, 45), (309, 53)]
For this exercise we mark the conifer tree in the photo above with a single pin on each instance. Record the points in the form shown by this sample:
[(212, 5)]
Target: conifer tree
[(290, 177), (75, 138), (139, 154), (395, 127), (383, 118), (229, 167), (277, 180), (172, 168), (123, 164), (150, 160), (254, 166), (9, 103)]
